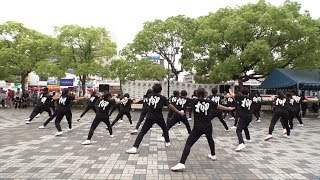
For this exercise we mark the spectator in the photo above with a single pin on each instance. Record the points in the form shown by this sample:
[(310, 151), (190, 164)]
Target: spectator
[(10, 98), (2, 97)]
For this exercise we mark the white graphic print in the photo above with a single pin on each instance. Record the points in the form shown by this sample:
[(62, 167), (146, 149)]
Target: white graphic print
[(181, 102), (291, 101), (125, 102), (153, 101), (103, 104), (296, 99), (230, 100), (216, 99), (174, 99), (145, 100), (256, 99), (246, 103), (92, 99), (43, 99), (202, 107), (62, 100), (280, 102)]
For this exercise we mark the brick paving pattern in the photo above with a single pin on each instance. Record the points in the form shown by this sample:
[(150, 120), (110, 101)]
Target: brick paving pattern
[(27, 152)]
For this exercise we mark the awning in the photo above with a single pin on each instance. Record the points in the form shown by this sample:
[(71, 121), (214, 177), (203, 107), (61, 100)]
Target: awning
[(292, 79)]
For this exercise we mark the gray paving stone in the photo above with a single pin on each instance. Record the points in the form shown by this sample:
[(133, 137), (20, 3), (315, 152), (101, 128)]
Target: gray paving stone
[(27, 152)]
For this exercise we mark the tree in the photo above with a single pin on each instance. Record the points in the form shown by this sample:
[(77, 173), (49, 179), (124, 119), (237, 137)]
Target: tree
[(84, 49), (120, 69), (247, 42), (21, 48), (164, 38)]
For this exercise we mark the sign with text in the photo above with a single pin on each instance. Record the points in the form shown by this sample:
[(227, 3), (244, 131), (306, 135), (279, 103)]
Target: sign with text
[(66, 82)]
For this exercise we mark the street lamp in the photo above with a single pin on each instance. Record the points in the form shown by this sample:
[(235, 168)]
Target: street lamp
[(171, 56)]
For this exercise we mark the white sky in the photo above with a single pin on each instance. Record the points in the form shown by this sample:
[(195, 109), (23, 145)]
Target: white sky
[(123, 18)]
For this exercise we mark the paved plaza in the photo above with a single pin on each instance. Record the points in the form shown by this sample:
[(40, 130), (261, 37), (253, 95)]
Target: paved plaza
[(27, 152)]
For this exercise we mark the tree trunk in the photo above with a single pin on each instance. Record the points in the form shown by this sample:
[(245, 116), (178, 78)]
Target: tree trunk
[(23, 81), (83, 86), (240, 81), (121, 92)]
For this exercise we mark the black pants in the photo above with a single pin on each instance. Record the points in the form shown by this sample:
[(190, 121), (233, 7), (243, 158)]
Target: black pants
[(40, 109), (147, 125), (120, 115), (50, 118), (66, 111), (87, 109), (170, 113), (284, 115), (231, 112), (243, 124), (194, 136), (2, 103), (219, 115), (114, 108), (256, 111), (175, 118), (99, 118), (143, 114), (295, 114)]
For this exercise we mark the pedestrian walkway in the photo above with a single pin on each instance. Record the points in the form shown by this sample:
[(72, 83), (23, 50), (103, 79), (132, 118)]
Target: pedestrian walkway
[(27, 152)]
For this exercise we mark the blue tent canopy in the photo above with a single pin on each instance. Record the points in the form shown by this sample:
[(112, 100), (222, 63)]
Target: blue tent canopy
[(292, 79)]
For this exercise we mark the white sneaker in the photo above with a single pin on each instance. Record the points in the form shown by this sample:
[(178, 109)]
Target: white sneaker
[(240, 147), (28, 122), (179, 124), (132, 150), (69, 129), (27, 119), (134, 131), (161, 139), (227, 130), (59, 133), (286, 136), (233, 127), (318, 117), (231, 118), (112, 136), (258, 121), (178, 167), (189, 119), (86, 142), (284, 132), (120, 121), (249, 140), (42, 127), (38, 115), (268, 137), (300, 125), (212, 157), (167, 144)]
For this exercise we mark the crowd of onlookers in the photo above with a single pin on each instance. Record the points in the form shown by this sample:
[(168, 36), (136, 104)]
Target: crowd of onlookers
[(17, 99)]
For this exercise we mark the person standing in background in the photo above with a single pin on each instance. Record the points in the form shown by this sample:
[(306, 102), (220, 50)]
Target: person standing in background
[(10, 98), (2, 97)]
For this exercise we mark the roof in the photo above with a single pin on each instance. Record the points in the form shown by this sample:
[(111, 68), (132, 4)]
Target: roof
[(292, 79)]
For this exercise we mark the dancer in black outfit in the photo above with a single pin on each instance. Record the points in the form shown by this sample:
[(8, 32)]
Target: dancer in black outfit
[(173, 100), (192, 101), (91, 104), (304, 105), (181, 105), (256, 105), (297, 110), (244, 113), (64, 109), (102, 115), (280, 111), (55, 98), (125, 108), (217, 98), (42, 105), (155, 102), (144, 111), (202, 125)]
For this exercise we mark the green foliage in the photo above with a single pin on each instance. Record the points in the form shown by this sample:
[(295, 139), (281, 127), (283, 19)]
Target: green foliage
[(162, 37), (84, 50), (249, 41), (146, 69), (20, 49)]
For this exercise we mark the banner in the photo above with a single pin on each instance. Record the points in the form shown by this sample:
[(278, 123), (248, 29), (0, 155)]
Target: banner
[(66, 82)]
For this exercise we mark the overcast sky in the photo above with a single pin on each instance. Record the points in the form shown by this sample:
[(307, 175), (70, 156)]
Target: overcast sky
[(123, 18)]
